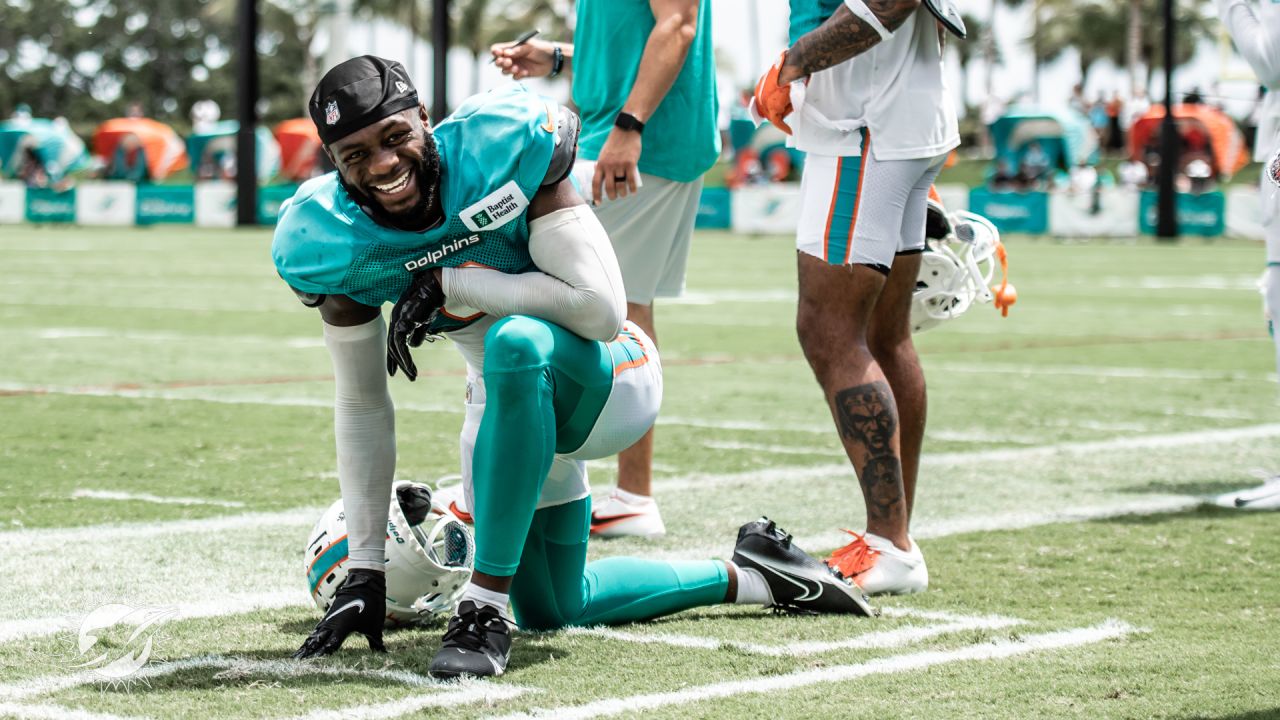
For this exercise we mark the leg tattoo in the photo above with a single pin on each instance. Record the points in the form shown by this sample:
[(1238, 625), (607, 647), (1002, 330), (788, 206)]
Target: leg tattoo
[(868, 416)]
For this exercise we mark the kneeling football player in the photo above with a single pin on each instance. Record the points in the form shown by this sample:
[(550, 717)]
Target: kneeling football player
[(474, 231)]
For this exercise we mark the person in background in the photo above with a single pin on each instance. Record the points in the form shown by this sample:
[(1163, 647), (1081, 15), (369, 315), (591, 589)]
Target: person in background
[(644, 79), (129, 161)]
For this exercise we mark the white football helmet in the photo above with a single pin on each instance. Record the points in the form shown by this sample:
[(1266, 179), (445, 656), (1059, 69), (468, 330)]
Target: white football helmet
[(962, 250), (429, 556)]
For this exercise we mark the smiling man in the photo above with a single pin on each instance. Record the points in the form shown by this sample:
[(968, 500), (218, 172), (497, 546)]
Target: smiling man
[(473, 231)]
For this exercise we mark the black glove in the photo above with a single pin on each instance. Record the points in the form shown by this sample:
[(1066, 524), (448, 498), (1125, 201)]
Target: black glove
[(360, 606), (409, 320)]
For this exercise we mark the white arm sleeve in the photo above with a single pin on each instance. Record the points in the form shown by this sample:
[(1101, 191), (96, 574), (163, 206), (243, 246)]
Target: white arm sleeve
[(579, 286), (1258, 43), (365, 425)]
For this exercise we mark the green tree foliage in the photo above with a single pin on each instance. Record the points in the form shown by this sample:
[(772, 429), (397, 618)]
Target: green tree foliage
[(88, 60), (1100, 29)]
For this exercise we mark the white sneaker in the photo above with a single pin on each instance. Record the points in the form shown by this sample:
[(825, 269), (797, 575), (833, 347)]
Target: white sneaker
[(877, 566), (1263, 497), (626, 516), (452, 496)]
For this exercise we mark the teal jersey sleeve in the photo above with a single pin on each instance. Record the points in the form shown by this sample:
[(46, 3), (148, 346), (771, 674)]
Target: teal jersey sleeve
[(495, 151)]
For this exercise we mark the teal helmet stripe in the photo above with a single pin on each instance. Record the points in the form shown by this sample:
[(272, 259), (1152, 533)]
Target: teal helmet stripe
[(332, 557)]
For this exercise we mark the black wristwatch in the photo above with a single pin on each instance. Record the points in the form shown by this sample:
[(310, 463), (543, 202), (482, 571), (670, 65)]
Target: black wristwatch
[(627, 121), (557, 60)]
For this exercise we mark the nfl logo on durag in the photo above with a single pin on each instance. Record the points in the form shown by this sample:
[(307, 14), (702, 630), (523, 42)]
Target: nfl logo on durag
[(331, 113)]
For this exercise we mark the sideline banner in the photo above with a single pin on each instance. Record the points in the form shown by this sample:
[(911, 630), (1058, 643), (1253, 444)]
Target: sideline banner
[(715, 209), (1012, 212), (166, 204), (1109, 212), (49, 205), (215, 204), (13, 203), (106, 203), (1203, 214), (772, 209), (270, 198)]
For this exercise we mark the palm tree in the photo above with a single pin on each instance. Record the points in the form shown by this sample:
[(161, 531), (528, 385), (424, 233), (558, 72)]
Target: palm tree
[(1100, 29), (481, 23)]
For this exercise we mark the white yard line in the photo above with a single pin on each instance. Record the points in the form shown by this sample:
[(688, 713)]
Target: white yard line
[(53, 712), (879, 639), (80, 333), (145, 497), (465, 695), (840, 673), (1095, 371), (446, 695), (225, 605)]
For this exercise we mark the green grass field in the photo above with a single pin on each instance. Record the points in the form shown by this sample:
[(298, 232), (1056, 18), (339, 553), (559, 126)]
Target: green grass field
[(166, 440)]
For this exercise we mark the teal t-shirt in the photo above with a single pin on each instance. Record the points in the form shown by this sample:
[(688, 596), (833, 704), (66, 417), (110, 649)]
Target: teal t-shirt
[(495, 151), (807, 15), (681, 140)]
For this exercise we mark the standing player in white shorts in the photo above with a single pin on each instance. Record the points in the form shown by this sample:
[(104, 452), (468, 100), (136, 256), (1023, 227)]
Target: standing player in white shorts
[(861, 91), (641, 69), (1254, 25)]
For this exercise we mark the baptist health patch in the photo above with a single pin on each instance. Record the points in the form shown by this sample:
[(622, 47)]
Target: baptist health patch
[(496, 209)]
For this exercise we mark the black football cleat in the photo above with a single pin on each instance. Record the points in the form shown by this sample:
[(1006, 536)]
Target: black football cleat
[(477, 644), (797, 582)]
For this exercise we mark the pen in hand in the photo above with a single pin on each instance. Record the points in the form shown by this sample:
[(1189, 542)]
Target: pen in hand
[(524, 37)]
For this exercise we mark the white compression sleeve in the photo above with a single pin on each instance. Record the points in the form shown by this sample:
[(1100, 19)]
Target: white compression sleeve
[(365, 425), (579, 286)]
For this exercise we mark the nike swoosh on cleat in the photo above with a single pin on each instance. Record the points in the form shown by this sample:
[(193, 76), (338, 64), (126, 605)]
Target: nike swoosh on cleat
[(461, 514), (603, 521), (812, 589), (354, 603)]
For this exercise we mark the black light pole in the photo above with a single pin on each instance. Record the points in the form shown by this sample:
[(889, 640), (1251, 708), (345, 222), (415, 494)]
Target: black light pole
[(440, 62), (1167, 219), (246, 113)]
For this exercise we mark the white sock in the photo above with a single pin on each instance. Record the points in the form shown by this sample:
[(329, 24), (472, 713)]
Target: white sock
[(484, 596), (631, 498), (752, 589)]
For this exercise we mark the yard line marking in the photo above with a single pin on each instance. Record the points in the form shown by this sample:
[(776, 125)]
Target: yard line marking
[(449, 694), (952, 459), (14, 540), (468, 694), (775, 449), (54, 712), (280, 668), (145, 497), (1128, 373), (926, 529), (997, 650), (879, 639), (712, 297), (78, 333), (234, 604)]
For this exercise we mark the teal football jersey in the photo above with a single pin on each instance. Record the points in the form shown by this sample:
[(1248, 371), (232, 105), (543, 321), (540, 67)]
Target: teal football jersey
[(495, 151)]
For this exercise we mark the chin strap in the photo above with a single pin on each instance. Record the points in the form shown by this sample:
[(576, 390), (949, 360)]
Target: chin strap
[(1005, 295)]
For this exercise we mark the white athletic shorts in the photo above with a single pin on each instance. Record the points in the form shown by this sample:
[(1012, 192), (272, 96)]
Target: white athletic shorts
[(628, 413), (651, 232), (862, 211)]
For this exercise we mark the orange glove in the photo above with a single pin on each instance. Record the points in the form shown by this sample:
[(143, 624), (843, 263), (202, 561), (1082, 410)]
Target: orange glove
[(773, 101)]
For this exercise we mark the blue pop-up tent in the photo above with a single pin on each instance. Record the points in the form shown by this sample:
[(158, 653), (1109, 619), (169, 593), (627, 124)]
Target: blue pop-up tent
[(59, 149), (220, 140), (1066, 136)]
